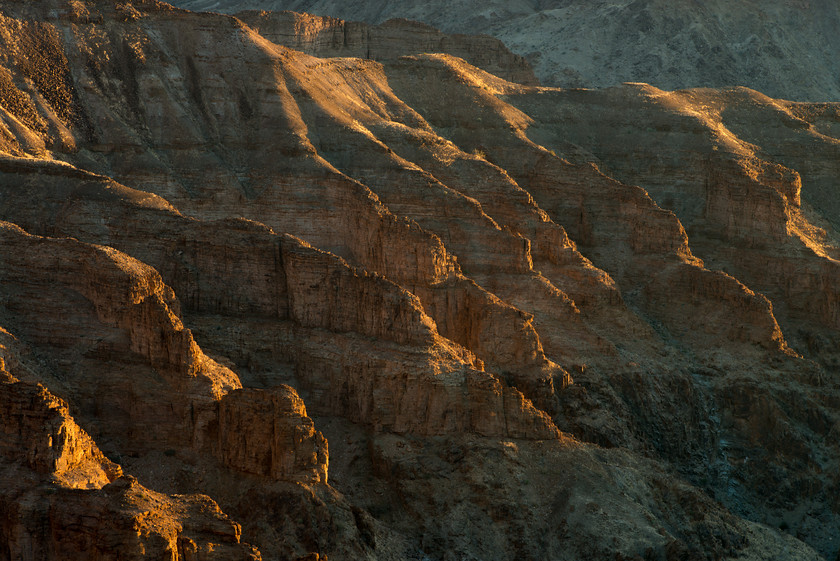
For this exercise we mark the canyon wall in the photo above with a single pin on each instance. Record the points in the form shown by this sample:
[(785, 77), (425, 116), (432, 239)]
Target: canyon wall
[(262, 302)]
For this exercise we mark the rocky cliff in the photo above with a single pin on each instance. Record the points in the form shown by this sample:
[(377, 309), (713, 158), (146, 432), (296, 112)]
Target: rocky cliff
[(63, 498), (325, 36), (263, 302), (784, 49)]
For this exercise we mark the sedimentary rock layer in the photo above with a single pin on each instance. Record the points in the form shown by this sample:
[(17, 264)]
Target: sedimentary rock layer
[(780, 48), (224, 257)]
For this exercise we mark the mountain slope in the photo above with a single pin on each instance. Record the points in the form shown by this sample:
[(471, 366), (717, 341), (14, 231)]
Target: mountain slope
[(382, 310), (783, 49)]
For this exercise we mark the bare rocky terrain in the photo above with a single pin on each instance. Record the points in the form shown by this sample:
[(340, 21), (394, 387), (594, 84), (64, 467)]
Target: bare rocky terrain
[(262, 297), (785, 49)]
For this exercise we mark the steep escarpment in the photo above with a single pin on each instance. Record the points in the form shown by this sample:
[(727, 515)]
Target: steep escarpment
[(103, 303), (331, 37), (353, 223), (780, 48), (162, 396), (295, 286), (62, 496), (380, 309), (622, 228), (734, 196), (40, 429)]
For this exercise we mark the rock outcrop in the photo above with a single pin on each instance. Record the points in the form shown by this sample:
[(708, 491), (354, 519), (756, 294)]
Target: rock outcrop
[(268, 433), (102, 303), (330, 37), (123, 520), (39, 430), (62, 497)]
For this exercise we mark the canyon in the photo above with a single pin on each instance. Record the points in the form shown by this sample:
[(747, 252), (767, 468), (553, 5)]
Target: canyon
[(280, 286)]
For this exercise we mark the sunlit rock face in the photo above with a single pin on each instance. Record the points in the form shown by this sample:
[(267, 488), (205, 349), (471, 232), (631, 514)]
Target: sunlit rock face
[(782, 48), (256, 302), (325, 36)]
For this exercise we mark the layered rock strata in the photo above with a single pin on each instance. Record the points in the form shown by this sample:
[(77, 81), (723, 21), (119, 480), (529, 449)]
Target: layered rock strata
[(330, 37), (421, 252), (285, 442), (311, 289), (103, 303), (780, 48), (62, 497), (38, 428)]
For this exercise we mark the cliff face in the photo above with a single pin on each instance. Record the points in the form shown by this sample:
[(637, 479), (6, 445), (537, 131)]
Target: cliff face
[(331, 37), (268, 433), (780, 48), (300, 290), (41, 432), (62, 497), (102, 303), (375, 308), (743, 211)]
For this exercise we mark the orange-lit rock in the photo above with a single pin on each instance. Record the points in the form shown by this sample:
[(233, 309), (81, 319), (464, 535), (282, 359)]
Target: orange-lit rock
[(331, 37), (268, 433)]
